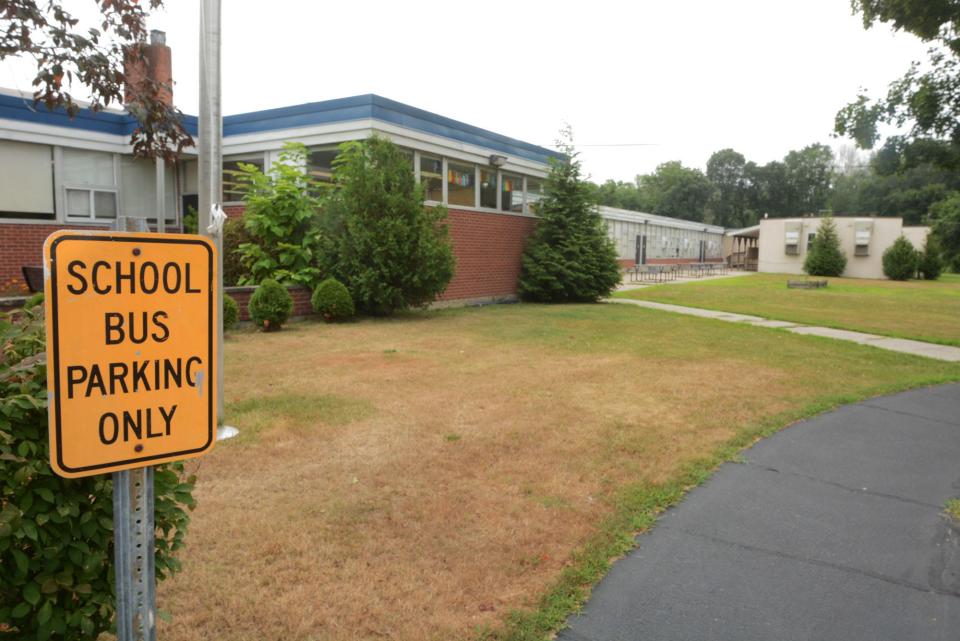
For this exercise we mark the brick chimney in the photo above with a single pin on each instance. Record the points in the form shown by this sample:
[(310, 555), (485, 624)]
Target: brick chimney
[(158, 68)]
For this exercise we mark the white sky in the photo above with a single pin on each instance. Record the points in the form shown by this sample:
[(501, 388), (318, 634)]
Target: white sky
[(689, 78)]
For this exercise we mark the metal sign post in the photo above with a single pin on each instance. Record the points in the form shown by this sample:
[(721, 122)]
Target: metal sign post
[(134, 555)]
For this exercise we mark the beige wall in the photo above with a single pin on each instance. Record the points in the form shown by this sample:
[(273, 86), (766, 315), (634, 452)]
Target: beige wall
[(774, 259)]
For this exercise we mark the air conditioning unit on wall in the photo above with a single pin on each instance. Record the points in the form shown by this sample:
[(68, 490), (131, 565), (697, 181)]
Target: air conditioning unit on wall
[(792, 234), (862, 233)]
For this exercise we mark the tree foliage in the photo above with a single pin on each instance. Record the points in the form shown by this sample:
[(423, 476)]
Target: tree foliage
[(56, 534), (900, 260), (390, 250), (65, 51), (927, 97), (945, 218), (825, 257), (569, 258), (727, 170), (930, 260), (282, 220), (677, 191)]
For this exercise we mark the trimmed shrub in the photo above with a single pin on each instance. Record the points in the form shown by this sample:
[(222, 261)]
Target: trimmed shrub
[(824, 256), (900, 260), (332, 300), (570, 257), (930, 261), (270, 305), (234, 235), (56, 534), (231, 312)]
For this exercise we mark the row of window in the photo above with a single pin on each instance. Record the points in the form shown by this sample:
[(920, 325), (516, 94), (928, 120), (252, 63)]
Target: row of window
[(37, 181), (445, 181)]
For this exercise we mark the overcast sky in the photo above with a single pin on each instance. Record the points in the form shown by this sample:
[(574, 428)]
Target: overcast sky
[(685, 78)]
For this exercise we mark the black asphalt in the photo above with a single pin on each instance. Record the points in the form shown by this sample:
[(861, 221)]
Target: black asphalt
[(832, 529)]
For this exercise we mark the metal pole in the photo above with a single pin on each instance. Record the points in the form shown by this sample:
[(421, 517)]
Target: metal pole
[(210, 130), (134, 557), (134, 564), (161, 195)]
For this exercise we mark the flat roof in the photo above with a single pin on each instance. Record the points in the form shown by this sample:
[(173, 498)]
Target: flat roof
[(15, 105), (628, 215)]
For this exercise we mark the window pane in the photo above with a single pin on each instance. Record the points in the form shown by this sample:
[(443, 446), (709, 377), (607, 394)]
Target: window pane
[(511, 193), (232, 187), (81, 168), (431, 177), (460, 185), (105, 204), (78, 203), (534, 193), (488, 189), (320, 164), (26, 182), (138, 189)]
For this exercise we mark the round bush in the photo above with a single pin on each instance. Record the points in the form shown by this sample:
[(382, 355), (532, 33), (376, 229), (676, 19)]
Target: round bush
[(270, 305), (231, 312), (332, 300), (900, 260)]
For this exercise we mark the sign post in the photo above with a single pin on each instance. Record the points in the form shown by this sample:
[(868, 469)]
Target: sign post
[(132, 363)]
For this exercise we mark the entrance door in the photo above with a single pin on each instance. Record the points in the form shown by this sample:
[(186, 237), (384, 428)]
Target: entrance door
[(703, 250), (640, 257)]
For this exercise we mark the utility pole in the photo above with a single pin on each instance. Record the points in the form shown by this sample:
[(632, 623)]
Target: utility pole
[(210, 125)]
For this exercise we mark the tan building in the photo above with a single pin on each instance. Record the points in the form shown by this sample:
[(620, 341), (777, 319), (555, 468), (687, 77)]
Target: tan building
[(783, 243)]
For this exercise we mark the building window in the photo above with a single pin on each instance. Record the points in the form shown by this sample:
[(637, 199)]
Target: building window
[(461, 183), (26, 182), (320, 164), (534, 194), (488, 189), (91, 204), (90, 184), (431, 177), (138, 189), (511, 193), (233, 186)]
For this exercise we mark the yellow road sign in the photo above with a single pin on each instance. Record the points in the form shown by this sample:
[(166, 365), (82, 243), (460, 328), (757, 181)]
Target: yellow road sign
[(131, 349)]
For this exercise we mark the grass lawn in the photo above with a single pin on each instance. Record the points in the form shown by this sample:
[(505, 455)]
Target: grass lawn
[(923, 310), (469, 473)]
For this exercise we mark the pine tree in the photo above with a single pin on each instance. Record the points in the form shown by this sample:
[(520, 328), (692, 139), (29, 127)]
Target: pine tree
[(569, 257), (824, 256), (900, 260), (930, 261)]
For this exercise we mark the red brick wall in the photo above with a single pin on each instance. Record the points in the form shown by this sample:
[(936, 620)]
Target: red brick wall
[(21, 245), (488, 248), (301, 300)]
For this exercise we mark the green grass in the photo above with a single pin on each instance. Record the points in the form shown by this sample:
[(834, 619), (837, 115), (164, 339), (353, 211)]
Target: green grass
[(921, 310)]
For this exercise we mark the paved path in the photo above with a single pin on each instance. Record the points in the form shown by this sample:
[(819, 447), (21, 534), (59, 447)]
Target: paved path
[(831, 529), (917, 348)]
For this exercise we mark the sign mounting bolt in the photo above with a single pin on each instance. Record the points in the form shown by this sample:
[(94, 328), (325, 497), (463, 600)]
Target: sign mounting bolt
[(136, 251)]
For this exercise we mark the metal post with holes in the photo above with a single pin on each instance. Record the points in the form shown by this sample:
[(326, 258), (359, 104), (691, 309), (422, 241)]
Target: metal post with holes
[(134, 562), (133, 535)]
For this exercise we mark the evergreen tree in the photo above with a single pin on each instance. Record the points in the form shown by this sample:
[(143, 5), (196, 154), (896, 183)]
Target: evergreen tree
[(570, 257), (900, 260), (389, 250), (930, 260), (824, 256)]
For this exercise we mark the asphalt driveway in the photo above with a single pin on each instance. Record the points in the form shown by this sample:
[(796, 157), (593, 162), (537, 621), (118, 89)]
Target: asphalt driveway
[(830, 529)]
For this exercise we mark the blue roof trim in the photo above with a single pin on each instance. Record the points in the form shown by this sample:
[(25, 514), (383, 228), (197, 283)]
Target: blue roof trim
[(364, 107), (107, 122), (371, 106)]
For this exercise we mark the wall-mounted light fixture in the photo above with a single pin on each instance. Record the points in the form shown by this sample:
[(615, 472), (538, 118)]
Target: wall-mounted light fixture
[(497, 160)]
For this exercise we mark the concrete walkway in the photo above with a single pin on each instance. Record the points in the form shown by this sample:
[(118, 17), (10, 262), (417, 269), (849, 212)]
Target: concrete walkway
[(917, 348), (832, 529)]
